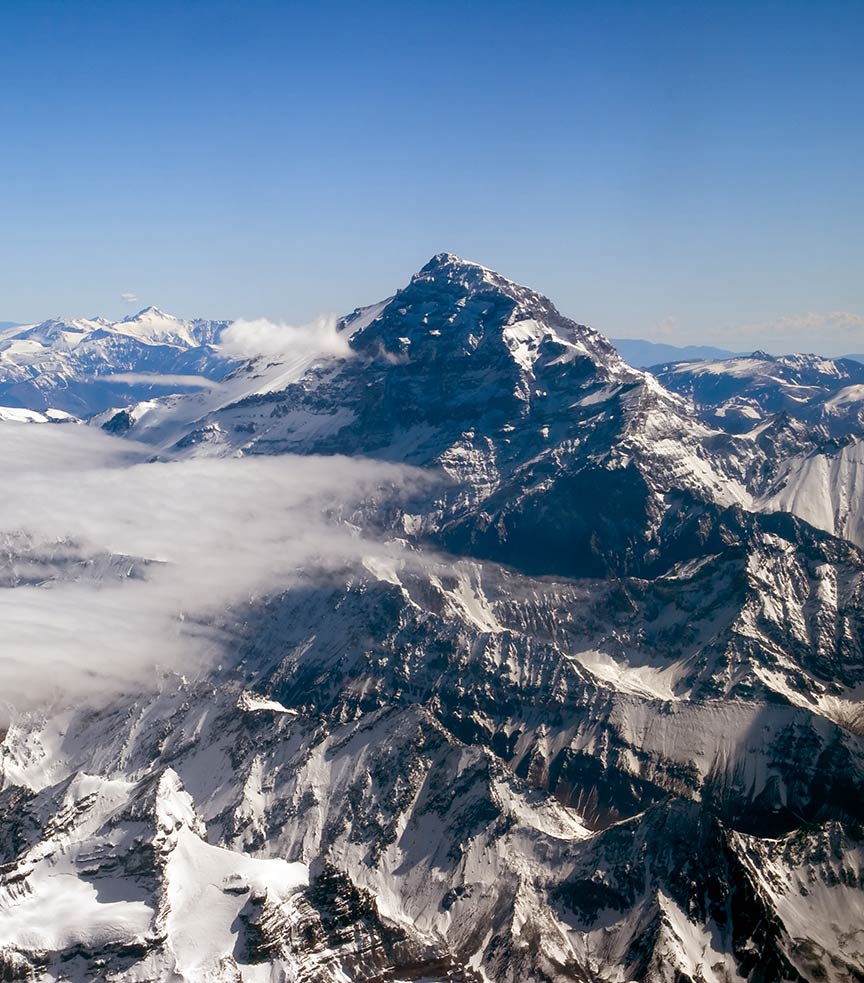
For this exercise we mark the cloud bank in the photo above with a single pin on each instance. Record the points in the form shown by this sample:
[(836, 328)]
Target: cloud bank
[(159, 379), (833, 333), (249, 339), (87, 618)]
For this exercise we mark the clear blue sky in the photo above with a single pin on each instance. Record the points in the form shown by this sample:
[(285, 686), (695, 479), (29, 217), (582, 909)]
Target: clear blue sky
[(657, 168)]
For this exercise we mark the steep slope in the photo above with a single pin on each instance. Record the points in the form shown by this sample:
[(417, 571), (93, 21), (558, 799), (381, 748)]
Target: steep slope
[(825, 486), (614, 735), (68, 364), (464, 774)]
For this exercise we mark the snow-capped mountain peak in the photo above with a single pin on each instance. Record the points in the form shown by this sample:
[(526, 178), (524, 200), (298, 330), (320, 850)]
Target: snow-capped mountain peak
[(454, 308), (151, 311), (153, 326), (614, 734), (738, 393), (67, 363)]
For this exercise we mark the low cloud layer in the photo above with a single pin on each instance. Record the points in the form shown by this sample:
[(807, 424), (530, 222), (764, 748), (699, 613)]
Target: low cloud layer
[(214, 533), (159, 379), (248, 339)]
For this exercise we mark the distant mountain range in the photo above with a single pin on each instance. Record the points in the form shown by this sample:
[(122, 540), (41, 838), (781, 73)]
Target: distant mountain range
[(85, 365), (636, 351), (644, 354)]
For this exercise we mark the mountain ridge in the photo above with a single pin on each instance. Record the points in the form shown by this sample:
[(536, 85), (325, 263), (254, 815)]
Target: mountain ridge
[(67, 364), (598, 718)]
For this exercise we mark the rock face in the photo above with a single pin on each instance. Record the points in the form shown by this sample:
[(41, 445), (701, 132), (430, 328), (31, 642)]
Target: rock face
[(604, 722)]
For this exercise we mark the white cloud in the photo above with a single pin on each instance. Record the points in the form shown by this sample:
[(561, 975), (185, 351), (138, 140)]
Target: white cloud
[(221, 532), (128, 297), (248, 339), (666, 328), (832, 333), (159, 379)]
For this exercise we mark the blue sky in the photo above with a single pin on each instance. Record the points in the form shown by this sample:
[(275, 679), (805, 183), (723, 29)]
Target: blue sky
[(682, 171)]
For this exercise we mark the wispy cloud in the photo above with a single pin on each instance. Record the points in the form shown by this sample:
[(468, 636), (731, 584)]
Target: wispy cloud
[(129, 298), (216, 532), (163, 379), (832, 333), (248, 339), (666, 329)]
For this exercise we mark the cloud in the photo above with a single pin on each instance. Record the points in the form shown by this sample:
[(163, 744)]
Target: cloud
[(77, 507), (163, 379), (832, 333), (129, 298), (249, 339), (666, 328)]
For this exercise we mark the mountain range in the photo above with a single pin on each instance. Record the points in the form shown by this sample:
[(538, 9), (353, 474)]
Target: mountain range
[(603, 721), (646, 354), (84, 365)]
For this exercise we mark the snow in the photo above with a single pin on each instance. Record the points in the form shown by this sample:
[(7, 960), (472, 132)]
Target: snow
[(13, 414), (694, 949), (470, 601), (523, 338), (740, 368), (381, 782), (654, 682), (58, 911), (162, 422), (600, 395), (761, 365), (202, 877), (154, 327), (825, 489), (252, 702), (818, 899), (847, 396), (738, 408), (365, 316)]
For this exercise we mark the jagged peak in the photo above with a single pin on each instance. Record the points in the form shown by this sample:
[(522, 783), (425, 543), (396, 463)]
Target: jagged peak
[(453, 306), (149, 312), (442, 260), (448, 273), (450, 268)]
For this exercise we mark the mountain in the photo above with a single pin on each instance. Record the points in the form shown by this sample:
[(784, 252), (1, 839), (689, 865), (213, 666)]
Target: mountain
[(736, 393), (464, 371), (809, 409), (601, 720), (83, 366), (14, 414), (643, 354)]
